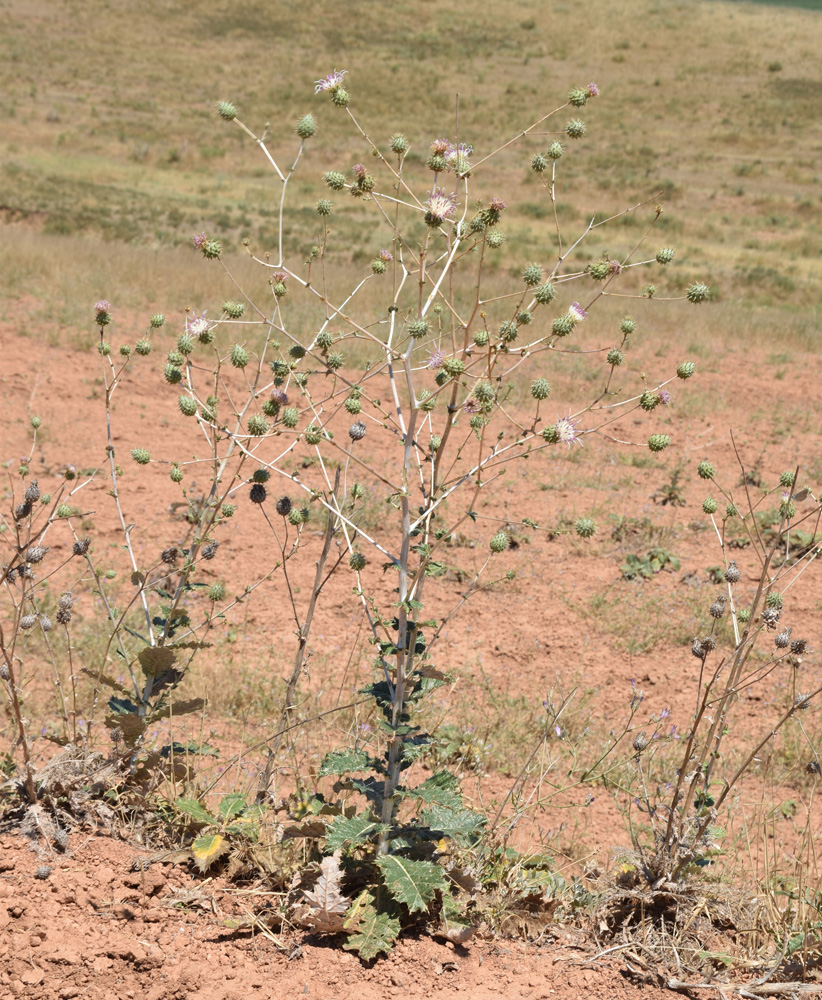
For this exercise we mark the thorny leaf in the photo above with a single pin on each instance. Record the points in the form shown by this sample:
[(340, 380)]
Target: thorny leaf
[(353, 831), (414, 883), (207, 849), (323, 908), (371, 932)]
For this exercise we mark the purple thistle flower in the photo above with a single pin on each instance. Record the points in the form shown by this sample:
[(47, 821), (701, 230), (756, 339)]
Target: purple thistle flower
[(331, 82), (441, 204), (280, 277), (472, 405), (616, 267), (435, 360), (457, 157), (386, 255), (593, 90), (576, 312), (199, 240), (359, 170), (566, 430), (102, 306), (440, 146), (497, 204), (198, 325), (664, 397), (279, 396)]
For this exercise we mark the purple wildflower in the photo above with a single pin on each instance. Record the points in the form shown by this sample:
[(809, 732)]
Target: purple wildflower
[(566, 430), (576, 312), (471, 405), (102, 306), (279, 396), (198, 325), (280, 277), (386, 255), (457, 156), (664, 397), (616, 267), (593, 90), (441, 204), (330, 83), (199, 240), (665, 713), (359, 170), (439, 147), (435, 360)]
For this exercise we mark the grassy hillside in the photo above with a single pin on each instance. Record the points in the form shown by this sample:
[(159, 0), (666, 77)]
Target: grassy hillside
[(112, 155)]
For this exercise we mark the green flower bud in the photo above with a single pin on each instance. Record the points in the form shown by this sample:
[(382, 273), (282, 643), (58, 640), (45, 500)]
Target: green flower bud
[(436, 442), (437, 163), (698, 293), (216, 591), (787, 509), (495, 239), (211, 249), (545, 293), (585, 527), (125, 351), (627, 325), (481, 338), (476, 422), (399, 144), (312, 435), (508, 331), (686, 369), (234, 310), (550, 434), (279, 289), (175, 358), (35, 422), (378, 266), (787, 479), (270, 407), (539, 163), (104, 348), (357, 561), (296, 351), (188, 405), (563, 325), (484, 392), (238, 356), (334, 360), (453, 367), (323, 207), (599, 270), (261, 475), (775, 600), (176, 474), (615, 357), (743, 616), (648, 401), (185, 345), (228, 509), (140, 456), (710, 506), (540, 389), (291, 416), (353, 405), (658, 442), (306, 127), (334, 179), (555, 150), (257, 425), (325, 338), (499, 542), (172, 374), (340, 97), (665, 255), (418, 328), (524, 318), (575, 129), (226, 110), (731, 510), (156, 321), (578, 97), (705, 470), (532, 275), (295, 517)]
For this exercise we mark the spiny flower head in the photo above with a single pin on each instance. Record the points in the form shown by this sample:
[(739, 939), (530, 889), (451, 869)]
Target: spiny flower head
[(439, 147), (456, 156), (440, 205), (199, 240), (566, 429), (386, 255), (576, 311), (593, 90), (435, 360), (330, 83)]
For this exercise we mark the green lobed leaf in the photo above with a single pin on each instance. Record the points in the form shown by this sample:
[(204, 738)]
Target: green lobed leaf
[(439, 789), (353, 831), (192, 808), (232, 805), (208, 849), (371, 932), (345, 760), (414, 883), (460, 824)]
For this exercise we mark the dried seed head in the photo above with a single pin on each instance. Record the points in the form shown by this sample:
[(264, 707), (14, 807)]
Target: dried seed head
[(697, 649), (357, 431), (717, 609), (783, 640), (209, 550), (44, 871), (4, 672), (770, 617), (63, 616), (28, 621), (640, 741), (81, 546), (32, 494), (802, 702), (258, 493), (35, 554), (61, 839), (66, 601), (812, 767), (283, 506), (709, 643), (499, 542), (45, 623), (169, 556), (799, 646), (732, 573), (22, 510), (357, 561)]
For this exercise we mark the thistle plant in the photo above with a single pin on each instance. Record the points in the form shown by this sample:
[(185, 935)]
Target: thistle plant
[(414, 388)]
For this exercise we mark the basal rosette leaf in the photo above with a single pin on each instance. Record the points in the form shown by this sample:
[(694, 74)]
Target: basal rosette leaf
[(371, 932), (414, 883)]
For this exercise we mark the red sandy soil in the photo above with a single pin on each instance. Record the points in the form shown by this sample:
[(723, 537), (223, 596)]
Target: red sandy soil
[(93, 930)]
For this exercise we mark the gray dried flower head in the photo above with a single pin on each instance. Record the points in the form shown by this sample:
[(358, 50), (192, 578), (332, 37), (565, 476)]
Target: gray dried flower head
[(169, 556), (770, 617), (783, 640), (812, 767), (4, 672), (45, 623), (708, 643), (697, 649), (258, 493), (717, 609), (640, 741), (63, 616), (209, 550), (732, 573), (43, 872), (36, 554), (802, 702), (22, 510), (81, 546), (25, 572), (32, 494), (283, 506), (28, 621), (357, 431), (799, 646), (66, 601)]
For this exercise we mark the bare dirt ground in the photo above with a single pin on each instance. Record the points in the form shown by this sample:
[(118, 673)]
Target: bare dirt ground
[(93, 929)]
